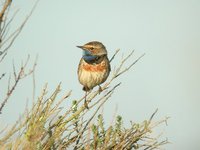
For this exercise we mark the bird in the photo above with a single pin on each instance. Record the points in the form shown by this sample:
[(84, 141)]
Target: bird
[(94, 66)]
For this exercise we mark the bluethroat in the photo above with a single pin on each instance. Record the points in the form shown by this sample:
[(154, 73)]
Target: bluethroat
[(94, 66)]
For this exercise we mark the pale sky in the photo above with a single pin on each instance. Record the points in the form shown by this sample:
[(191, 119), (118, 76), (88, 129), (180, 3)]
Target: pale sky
[(167, 77)]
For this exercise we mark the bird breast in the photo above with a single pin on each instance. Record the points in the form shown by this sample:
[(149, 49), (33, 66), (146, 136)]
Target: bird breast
[(91, 75)]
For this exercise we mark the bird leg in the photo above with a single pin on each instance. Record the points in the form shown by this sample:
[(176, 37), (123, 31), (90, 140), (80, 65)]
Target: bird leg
[(100, 89), (86, 89), (85, 102)]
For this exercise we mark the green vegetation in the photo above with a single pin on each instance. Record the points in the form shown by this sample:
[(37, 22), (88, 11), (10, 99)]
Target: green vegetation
[(50, 125)]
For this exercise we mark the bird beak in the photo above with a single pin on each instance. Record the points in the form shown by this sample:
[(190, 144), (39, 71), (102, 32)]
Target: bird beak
[(83, 48), (80, 47)]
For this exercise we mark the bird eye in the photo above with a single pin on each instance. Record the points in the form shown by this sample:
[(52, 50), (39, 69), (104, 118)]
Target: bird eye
[(91, 48)]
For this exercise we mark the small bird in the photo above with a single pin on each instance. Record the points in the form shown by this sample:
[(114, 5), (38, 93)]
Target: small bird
[(94, 66)]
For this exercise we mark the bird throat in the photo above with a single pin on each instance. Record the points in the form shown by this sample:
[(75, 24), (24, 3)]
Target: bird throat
[(92, 59), (89, 58)]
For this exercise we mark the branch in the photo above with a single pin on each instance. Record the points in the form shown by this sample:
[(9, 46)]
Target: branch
[(105, 97), (11, 38), (116, 52), (2, 75), (118, 72), (6, 4), (92, 95), (17, 77)]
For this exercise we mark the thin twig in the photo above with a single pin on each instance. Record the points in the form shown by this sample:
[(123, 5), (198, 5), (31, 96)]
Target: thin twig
[(11, 38), (33, 78), (6, 5), (116, 52), (5, 28), (152, 116), (2, 75), (17, 76), (10, 92), (126, 69), (106, 97)]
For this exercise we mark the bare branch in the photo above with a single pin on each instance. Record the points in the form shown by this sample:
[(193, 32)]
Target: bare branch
[(116, 52), (2, 75), (14, 72), (5, 28), (126, 69), (152, 116), (5, 7), (33, 77), (104, 98), (17, 77), (11, 38)]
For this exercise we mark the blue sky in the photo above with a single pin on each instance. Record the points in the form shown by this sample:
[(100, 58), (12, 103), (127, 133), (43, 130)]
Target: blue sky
[(167, 77)]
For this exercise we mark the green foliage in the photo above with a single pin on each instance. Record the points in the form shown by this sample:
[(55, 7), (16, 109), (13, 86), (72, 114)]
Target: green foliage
[(46, 127)]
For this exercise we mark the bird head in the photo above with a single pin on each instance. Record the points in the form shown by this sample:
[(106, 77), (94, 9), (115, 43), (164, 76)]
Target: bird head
[(94, 48)]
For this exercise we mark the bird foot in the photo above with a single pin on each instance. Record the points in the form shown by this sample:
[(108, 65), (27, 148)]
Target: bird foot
[(85, 88)]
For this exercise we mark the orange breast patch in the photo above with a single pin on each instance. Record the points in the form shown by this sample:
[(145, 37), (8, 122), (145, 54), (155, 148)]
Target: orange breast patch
[(95, 68)]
